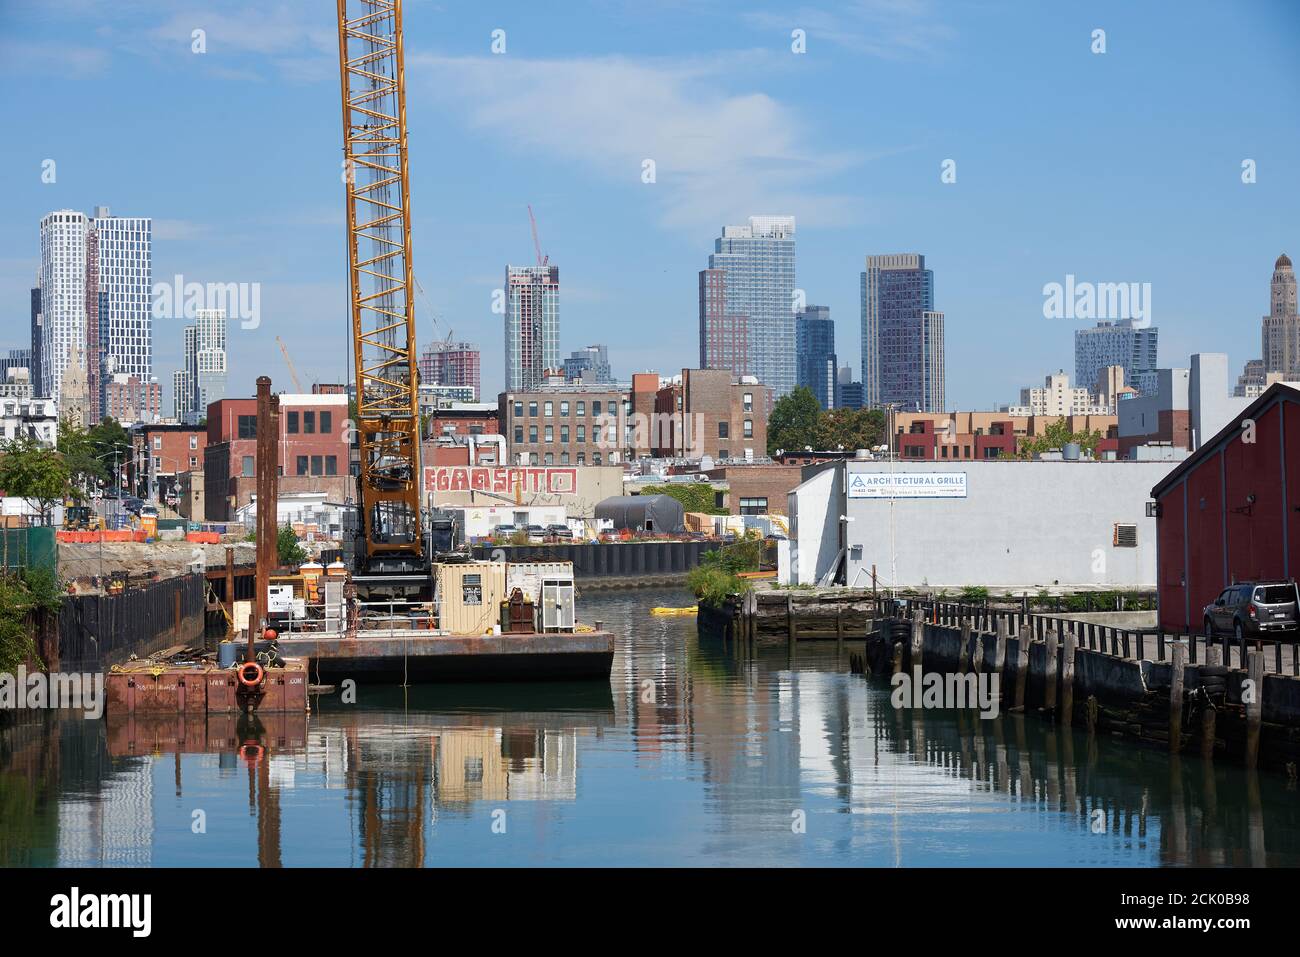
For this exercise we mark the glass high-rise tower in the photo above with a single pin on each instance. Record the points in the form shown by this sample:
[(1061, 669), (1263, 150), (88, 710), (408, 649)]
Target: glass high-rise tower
[(903, 360), (815, 353), (1116, 344), (747, 304), (532, 325)]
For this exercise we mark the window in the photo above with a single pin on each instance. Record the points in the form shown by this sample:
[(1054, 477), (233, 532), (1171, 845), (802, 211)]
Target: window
[(194, 441), (331, 465), (248, 466), (595, 458), (519, 435), (724, 430), (532, 434), (613, 407), (550, 433), (519, 410), (550, 458), (317, 465), (303, 465), (309, 423), (532, 409), (157, 463), (753, 506), (749, 428), (582, 458), (564, 408), (532, 458), (564, 434), (722, 454), (564, 458), (194, 461), (247, 428), (581, 410), (582, 434), (749, 401), (292, 419), (548, 409), (326, 422), (157, 443), (1126, 536)]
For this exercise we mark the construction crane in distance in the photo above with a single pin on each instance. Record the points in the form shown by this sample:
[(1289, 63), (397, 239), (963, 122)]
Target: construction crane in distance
[(532, 220), (293, 373), (382, 287)]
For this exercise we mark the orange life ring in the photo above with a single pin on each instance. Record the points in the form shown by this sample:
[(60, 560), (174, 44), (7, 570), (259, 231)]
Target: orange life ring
[(251, 674), (269, 634)]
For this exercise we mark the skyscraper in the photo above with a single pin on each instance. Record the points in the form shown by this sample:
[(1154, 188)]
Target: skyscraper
[(202, 381), (903, 359), (746, 302), (37, 384), (125, 287), (532, 325), (815, 353), (1280, 333), (1117, 344), (94, 291), (62, 294), (451, 364)]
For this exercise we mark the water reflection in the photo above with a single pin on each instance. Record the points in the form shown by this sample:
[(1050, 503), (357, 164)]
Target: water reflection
[(692, 754)]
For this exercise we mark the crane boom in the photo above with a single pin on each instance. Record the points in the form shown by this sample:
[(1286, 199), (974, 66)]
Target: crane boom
[(293, 373), (532, 221), (381, 282)]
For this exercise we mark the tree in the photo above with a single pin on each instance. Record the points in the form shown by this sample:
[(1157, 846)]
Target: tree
[(79, 456), (694, 496), (112, 447), (35, 473), (850, 429), (1056, 436), (287, 547), (793, 422)]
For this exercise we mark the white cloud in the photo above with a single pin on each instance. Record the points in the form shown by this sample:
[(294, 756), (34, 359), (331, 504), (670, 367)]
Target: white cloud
[(887, 29), (718, 155)]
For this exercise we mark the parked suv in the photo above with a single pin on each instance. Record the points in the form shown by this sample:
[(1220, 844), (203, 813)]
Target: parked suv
[(1255, 610)]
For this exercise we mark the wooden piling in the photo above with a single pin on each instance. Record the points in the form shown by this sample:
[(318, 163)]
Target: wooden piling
[(1209, 716), (1000, 648), (1067, 676), (1255, 706), (1176, 697), (1022, 665), (918, 637), (977, 659), (1049, 689), (963, 658)]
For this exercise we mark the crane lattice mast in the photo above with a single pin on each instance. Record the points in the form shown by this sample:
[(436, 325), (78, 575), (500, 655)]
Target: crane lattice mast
[(380, 279)]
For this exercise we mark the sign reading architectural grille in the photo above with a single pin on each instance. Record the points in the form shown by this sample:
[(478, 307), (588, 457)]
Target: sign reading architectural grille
[(907, 485)]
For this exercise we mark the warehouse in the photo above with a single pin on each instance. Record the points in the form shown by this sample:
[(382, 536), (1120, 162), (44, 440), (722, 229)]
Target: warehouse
[(1230, 512), (1002, 524)]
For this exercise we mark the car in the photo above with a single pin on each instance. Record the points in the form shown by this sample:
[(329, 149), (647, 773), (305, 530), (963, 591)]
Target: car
[(133, 504), (504, 530), (148, 510), (556, 530), (1255, 610), (535, 532)]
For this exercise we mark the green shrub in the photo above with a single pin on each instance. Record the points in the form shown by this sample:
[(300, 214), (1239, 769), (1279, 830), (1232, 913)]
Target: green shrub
[(972, 594), (711, 584)]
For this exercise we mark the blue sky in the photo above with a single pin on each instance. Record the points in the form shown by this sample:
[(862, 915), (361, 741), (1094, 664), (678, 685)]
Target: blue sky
[(1119, 167)]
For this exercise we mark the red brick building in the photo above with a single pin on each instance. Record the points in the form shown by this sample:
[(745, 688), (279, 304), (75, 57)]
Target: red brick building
[(722, 415), (313, 450), (1230, 512), (757, 489), (923, 440), (161, 454)]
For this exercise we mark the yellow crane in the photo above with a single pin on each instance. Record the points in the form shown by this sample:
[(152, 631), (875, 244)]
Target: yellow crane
[(381, 282)]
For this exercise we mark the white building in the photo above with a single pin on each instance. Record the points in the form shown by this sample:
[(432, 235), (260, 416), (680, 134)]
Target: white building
[(23, 414), (1056, 397), (202, 381), (126, 292), (1019, 526), (119, 271), (63, 293)]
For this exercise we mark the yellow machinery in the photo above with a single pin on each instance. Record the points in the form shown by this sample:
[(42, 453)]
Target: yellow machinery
[(381, 283)]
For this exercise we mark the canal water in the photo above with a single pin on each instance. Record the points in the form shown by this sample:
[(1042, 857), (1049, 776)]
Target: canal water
[(689, 756)]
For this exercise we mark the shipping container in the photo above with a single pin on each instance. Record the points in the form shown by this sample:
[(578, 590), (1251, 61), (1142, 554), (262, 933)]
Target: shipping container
[(469, 597)]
